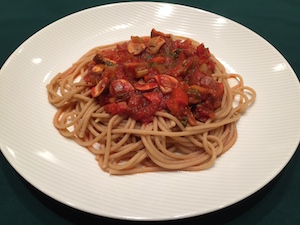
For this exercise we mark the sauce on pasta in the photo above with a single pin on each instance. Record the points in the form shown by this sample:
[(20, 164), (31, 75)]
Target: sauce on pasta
[(152, 103), (150, 74)]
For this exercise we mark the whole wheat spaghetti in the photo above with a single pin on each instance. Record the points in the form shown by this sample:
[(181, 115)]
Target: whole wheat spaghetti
[(157, 103)]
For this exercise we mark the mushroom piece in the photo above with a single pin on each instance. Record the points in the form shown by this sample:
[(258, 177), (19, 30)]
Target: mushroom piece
[(135, 48), (154, 44), (165, 82), (100, 87)]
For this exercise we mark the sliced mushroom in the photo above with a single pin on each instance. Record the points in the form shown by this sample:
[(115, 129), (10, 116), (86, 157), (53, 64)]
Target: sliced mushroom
[(135, 48), (98, 68), (100, 87), (120, 87), (165, 82), (154, 44), (143, 86)]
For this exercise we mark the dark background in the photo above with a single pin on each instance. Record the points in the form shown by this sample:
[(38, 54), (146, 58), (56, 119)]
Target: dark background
[(278, 21)]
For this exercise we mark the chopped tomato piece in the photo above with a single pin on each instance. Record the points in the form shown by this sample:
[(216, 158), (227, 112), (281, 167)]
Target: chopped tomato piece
[(203, 113), (152, 97), (190, 118), (180, 96), (219, 90), (158, 59), (177, 102), (114, 108), (143, 107), (182, 67), (195, 78)]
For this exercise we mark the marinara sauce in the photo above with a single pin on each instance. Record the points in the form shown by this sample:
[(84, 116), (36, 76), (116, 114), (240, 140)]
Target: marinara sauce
[(148, 74)]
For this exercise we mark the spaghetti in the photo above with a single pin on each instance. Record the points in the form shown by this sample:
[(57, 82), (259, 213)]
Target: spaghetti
[(157, 103)]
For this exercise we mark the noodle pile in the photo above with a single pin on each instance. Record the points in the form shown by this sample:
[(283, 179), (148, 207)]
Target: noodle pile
[(122, 145)]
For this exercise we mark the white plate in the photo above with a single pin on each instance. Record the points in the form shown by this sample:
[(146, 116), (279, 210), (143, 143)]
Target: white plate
[(268, 133)]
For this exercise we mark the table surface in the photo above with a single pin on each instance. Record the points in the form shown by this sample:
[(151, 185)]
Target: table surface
[(278, 21)]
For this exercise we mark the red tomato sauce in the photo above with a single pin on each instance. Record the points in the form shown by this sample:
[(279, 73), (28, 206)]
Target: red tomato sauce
[(155, 73)]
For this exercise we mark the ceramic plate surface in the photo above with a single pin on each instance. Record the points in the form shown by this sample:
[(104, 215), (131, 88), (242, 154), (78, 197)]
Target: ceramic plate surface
[(268, 132)]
